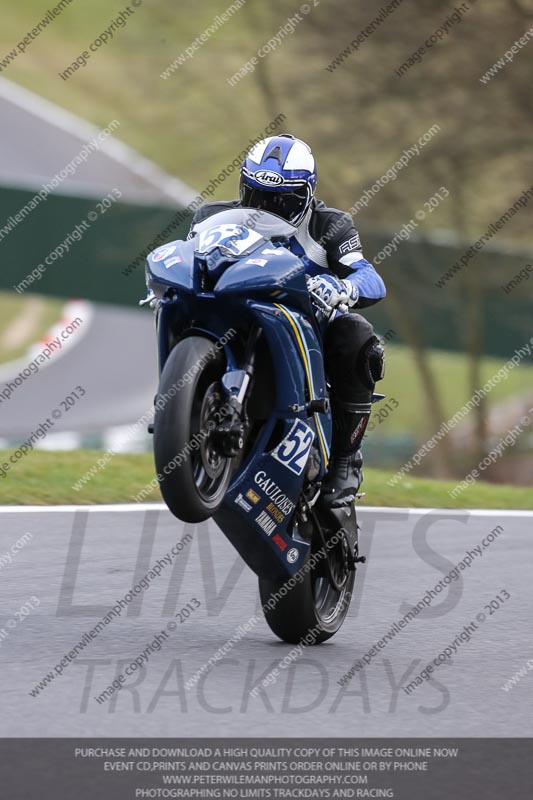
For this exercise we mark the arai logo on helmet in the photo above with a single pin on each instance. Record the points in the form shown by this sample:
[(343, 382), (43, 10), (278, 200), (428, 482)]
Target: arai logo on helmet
[(268, 178)]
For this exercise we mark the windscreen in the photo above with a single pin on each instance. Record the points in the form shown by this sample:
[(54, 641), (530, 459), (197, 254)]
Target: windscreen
[(239, 230)]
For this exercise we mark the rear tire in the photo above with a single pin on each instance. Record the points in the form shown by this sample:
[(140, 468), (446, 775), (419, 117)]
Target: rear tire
[(311, 608), (193, 474)]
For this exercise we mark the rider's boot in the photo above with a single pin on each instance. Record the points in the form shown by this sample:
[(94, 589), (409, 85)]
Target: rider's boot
[(345, 473)]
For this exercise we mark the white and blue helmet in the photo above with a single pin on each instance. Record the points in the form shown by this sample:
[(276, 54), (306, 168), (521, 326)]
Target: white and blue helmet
[(279, 175)]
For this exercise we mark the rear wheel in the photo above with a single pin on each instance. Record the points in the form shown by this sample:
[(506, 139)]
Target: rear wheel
[(317, 605), (193, 472)]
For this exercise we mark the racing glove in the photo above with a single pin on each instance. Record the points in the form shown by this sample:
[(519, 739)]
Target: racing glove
[(333, 290)]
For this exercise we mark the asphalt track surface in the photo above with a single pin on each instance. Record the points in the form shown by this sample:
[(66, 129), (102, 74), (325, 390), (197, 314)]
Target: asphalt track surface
[(24, 164), (115, 360), (79, 562), (113, 357), (28, 119)]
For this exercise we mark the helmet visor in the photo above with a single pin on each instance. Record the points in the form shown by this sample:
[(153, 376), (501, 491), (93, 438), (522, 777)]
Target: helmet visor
[(287, 205)]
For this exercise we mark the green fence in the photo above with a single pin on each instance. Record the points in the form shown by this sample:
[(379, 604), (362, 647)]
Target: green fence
[(106, 264)]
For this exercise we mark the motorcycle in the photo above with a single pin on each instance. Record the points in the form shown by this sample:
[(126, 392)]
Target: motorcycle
[(242, 425)]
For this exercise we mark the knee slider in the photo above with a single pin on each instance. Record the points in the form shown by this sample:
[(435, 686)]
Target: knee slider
[(372, 363), (376, 361), (371, 354), (352, 343)]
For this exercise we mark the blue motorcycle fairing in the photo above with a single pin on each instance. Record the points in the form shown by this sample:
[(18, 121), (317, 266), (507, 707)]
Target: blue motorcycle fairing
[(243, 275), (175, 316), (249, 274), (257, 515), (275, 551), (281, 282), (168, 272), (290, 337), (260, 506)]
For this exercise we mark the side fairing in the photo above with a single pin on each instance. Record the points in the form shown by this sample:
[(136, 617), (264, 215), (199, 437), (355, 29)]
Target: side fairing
[(268, 269), (265, 492), (171, 265)]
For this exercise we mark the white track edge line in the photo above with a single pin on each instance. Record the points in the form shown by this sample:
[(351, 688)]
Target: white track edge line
[(121, 508)]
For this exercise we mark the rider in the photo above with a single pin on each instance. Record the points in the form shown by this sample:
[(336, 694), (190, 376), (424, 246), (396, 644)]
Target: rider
[(279, 175)]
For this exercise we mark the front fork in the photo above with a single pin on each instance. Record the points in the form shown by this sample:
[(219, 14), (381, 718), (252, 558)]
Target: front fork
[(231, 434)]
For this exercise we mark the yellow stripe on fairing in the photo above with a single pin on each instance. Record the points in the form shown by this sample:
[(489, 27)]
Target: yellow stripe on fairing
[(307, 367)]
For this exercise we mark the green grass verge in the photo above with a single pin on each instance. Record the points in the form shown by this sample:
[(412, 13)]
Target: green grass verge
[(402, 382), (47, 478)]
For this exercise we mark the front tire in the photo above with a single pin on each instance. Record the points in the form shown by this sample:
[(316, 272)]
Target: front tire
[(193, 473)]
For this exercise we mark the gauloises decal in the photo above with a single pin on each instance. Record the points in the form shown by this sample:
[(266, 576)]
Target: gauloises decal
[(274, 493), (275, 512)]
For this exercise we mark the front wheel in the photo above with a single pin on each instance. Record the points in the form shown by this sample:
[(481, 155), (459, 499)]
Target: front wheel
[(193, 473), (312, 607)]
